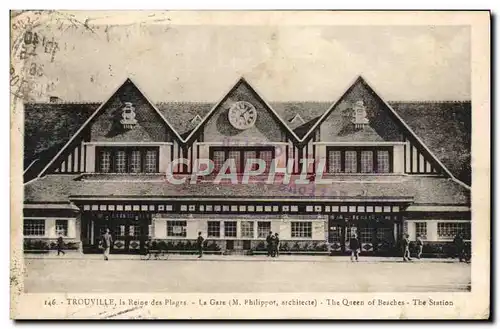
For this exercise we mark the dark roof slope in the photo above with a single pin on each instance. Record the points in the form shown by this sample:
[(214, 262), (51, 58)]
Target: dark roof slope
[(424, 190), (445, 127)]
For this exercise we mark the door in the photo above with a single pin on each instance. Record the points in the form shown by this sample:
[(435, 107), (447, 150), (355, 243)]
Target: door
[(350, 230), (335, 234), (128, 231)]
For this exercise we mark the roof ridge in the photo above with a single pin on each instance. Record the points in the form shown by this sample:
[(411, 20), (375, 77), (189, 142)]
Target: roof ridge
[(430, 101)]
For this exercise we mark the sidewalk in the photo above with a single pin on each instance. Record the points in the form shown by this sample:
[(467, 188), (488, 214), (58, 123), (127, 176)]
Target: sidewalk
[(235, 258)]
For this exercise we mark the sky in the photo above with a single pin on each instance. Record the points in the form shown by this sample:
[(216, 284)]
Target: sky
[(172, 62)]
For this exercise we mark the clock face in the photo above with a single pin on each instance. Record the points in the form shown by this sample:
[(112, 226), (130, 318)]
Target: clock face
[(242, 115)]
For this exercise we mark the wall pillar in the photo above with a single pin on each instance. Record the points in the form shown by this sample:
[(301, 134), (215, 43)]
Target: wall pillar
[(432, 232)]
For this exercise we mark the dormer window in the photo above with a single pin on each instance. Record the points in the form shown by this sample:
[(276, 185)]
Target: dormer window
[(127, 160), (360, 120), (359, 160)]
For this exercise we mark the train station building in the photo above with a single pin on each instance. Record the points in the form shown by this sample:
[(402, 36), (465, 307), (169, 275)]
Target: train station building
[(359, 164)]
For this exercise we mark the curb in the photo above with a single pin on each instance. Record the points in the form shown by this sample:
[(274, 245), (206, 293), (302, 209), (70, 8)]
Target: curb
[(313, 259)]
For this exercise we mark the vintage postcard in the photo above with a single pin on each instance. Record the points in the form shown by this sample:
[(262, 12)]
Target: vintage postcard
[(250, 165)]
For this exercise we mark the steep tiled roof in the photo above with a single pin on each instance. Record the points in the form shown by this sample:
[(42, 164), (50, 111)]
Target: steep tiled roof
[(181, 114), (444, 127), (423, 190)]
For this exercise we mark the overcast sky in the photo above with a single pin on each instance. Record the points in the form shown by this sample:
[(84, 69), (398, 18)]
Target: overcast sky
[(200, 63)]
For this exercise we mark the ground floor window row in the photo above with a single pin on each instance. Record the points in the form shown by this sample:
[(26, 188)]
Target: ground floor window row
[(248, 229), (444, 231), (37, 227), (221, 208)]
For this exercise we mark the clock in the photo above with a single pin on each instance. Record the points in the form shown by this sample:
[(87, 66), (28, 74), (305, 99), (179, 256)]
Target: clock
[(242, 115)]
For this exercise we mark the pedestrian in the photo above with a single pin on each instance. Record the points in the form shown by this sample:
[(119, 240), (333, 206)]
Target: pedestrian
[(277, 244), (406, 247), (420, 246), (273, 245), (60, 245), (269, 244), (355, 247), (199, 244), (458, 241), (107, 241)]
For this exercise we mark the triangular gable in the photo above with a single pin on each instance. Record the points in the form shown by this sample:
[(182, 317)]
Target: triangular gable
[(395, 116), (97, 112), (197, 119), (297, 119), (240, 81)]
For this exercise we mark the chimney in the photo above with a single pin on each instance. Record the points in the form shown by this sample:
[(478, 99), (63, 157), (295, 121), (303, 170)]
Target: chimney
[(54, 99)]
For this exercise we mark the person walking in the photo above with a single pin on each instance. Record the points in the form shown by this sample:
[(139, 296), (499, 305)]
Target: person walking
[(406, 248), (355, 247), (458, 241), (60, 245), (269, 239), (277, 245), (107, 241), (199, 244), (420, 246)]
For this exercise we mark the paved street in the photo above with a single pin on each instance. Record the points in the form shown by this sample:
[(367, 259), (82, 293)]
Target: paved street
[(243, 274)]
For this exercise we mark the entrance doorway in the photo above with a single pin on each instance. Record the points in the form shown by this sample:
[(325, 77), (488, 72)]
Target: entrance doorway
[(376, 233), (129, 230)]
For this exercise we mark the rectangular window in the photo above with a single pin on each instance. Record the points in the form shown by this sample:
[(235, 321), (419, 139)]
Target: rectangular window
[(421, 229), (230, 229), (240, 155), (213, 229), (135, 162), (134, 230), (335, 162), (34, 227), (62, 227), (366, 235), (150, 162), (366, 161), (383, 161), (120, 162), (235, 155), (351, 162), (267, 156), (247, 229), (247, 155), (263, 229), (127, 160), (358, 159), (218, 158), (105, 163), (301, 230), (448, 230), (176, 228)]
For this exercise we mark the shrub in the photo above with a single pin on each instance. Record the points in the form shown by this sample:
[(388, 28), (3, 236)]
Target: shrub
[(284, 247), (261, 246), (295, 247)]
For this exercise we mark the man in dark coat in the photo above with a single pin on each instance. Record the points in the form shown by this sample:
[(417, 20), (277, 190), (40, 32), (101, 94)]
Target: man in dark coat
[(354, 245), (60, 245), (107, 241), (458, 241), (269, 242), (276, 244), (199, 245)]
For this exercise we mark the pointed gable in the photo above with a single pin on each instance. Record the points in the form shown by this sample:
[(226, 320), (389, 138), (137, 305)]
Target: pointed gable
[(102, 124), (128, 117), (359, 116), (267, 127)]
